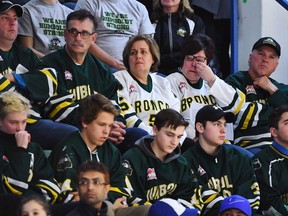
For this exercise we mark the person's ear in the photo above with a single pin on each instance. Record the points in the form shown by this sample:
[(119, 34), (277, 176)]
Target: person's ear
[(155, 130), (199, 127), (273, 132)]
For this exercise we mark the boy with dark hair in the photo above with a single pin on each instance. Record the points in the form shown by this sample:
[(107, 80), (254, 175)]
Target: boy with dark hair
[(155, 168), (270, 166), (221, 169), (96, 114)]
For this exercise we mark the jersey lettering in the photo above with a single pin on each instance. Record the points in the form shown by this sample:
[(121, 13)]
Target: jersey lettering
[(202, 99), (220, 184), (80, 92), (147, 105), (159, 191)]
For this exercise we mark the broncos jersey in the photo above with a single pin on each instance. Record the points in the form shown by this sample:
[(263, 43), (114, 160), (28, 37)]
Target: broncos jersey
[(140, 103), (195, 96)]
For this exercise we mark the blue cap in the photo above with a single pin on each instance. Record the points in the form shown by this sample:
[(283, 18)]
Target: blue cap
[(170, 207), (236, 202)]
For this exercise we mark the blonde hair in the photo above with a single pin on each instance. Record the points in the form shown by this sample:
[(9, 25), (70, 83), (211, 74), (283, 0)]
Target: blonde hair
[(13, 102), (184, 9)]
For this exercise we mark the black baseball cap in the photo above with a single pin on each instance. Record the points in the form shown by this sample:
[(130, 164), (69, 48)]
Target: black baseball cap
[(268, 41), (213, 113), (7, 5)]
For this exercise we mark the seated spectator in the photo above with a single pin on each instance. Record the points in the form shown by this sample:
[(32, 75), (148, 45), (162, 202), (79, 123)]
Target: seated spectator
[(96, 114), (262, 94), (24, 167), (144, 93), (93, 183), (155, 168), (174, 22), (42, 25), (34, 205), (80, 74), (270, 166), (21, 70), (196, 85), (235, 205), (220, 169), (117, 22)]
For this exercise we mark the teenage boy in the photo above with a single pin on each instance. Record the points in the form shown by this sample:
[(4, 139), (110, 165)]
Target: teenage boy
[(218, 166), (96, 114), (155, 168), (93, 185), (271, 166), (24, 167)]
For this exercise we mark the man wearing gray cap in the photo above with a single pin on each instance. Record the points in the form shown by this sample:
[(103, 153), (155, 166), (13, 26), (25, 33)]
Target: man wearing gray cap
[(22, 71), (262, 94)]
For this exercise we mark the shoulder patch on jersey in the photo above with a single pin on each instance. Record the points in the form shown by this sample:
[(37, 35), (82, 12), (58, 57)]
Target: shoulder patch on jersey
[(151, 174), (64, 163), (256, 164), (68, 75), (182, 85), (201, 171), (132, 88), (127, 167), (250, 90), (4, 158)]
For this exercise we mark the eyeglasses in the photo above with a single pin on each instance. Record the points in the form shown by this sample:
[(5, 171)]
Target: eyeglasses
[(84, 34), (95, 182), (197, 58)]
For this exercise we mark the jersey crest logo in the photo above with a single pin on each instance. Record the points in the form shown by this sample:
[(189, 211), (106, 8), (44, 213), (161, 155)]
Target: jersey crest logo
[(201, 171), (182, 85), (256, 164), (68, 75), (132, 89), (64, 163), (250, 89), (127, 167), (181, 32), (151, 174), (5, 158)]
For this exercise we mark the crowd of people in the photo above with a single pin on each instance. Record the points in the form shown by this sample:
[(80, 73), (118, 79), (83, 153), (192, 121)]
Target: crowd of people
[(133, 116)]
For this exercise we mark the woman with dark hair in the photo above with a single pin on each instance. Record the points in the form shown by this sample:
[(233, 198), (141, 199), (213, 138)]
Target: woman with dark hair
[(196, 85), (174, 21), (144, 93)]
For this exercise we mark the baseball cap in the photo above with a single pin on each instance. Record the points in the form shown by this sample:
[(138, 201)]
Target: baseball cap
[(170, 207), (236, 202), (6, 5), (268, 41), (213, 113)]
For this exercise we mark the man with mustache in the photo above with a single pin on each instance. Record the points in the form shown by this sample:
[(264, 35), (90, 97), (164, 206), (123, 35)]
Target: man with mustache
[(80, 74)]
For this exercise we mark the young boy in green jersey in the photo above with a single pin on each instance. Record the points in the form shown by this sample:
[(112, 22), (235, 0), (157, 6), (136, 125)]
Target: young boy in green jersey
[(271, 166), (219, 167), (155, 168), (24, 168), (96, 114)]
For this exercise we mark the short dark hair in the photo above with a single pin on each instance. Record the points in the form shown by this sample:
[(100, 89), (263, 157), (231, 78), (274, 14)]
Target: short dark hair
[(81, 15), (153, 47), (169, 117), (92, 105), (276, 114), (37, 198), (197, 42), (94, 166)]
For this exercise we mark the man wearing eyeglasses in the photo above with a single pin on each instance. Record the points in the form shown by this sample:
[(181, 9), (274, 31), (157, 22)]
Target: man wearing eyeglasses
[(196, 85), (93, 186), (80, 74)]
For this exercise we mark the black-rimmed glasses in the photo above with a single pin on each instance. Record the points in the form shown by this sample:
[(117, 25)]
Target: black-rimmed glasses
[(84, 34), (197, 58), (94, 182)]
